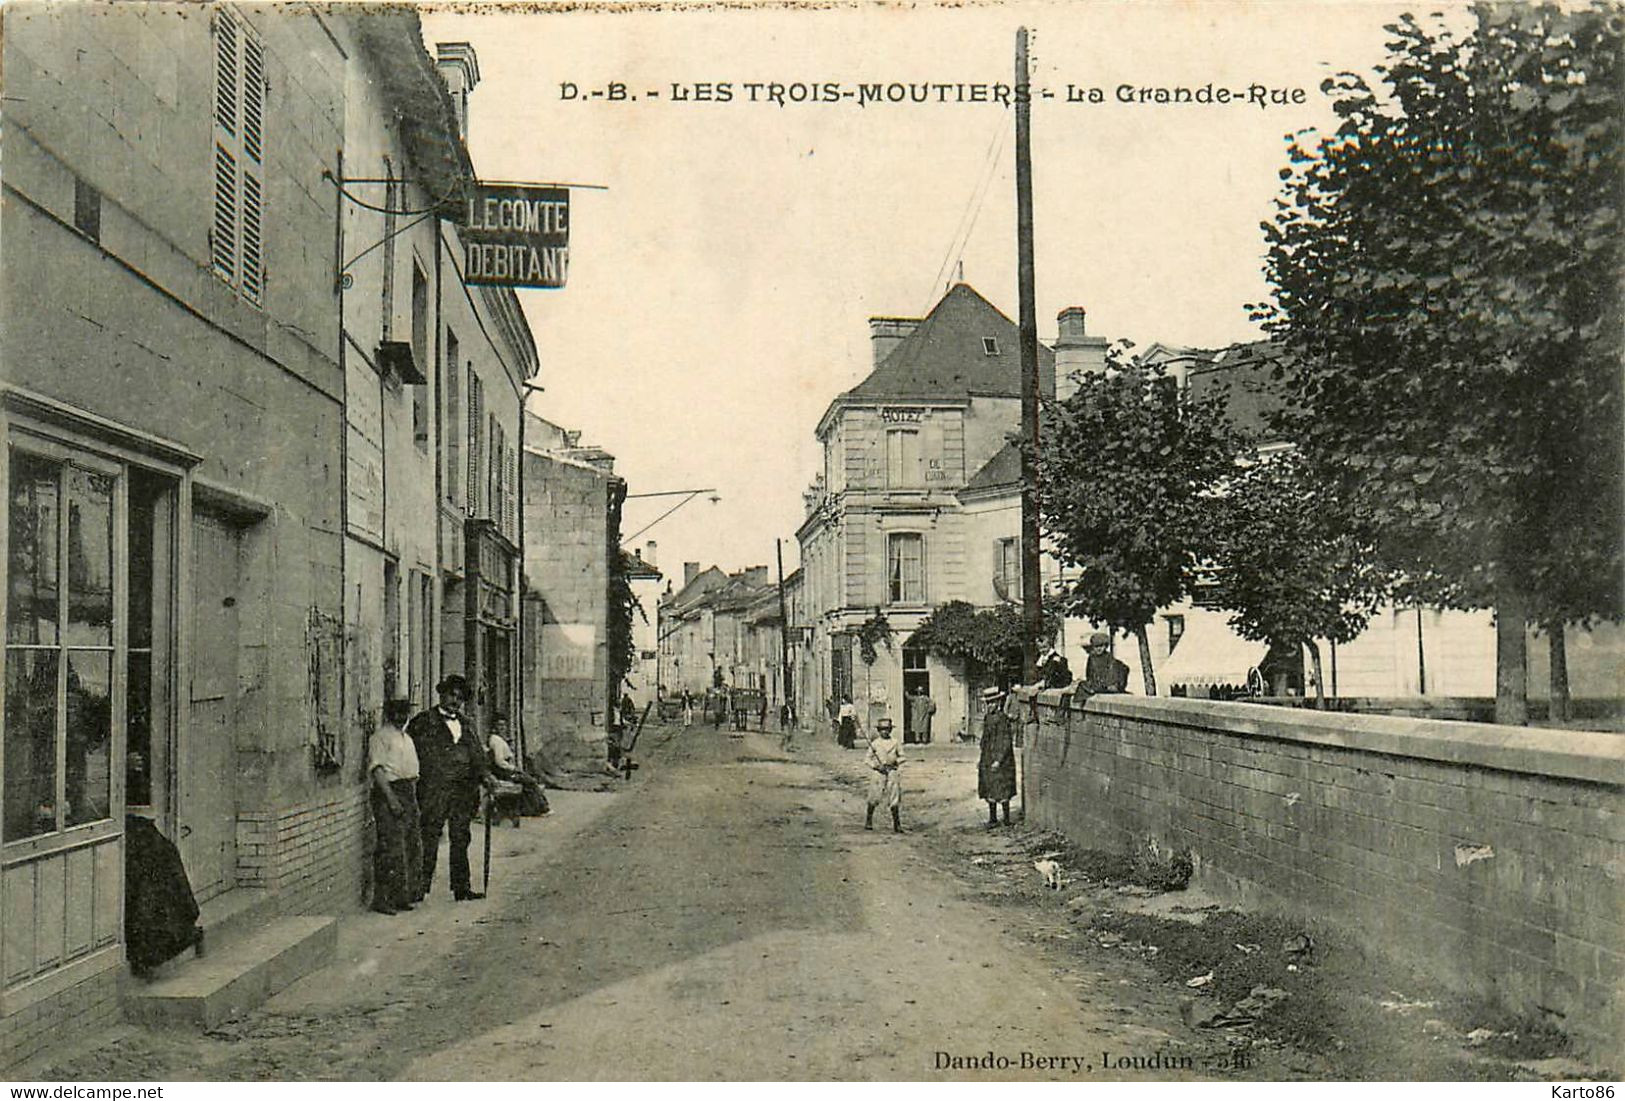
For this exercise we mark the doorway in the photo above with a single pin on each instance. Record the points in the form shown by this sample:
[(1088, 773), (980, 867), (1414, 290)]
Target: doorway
[(915, 680), (206, 788)]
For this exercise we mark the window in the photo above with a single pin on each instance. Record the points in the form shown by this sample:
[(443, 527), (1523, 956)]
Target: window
[(905, 567), (1007, 568), (392, 629), (1176, 630), (454, 424), (990, 346), (903, 458), (236, 242), (476, 457), (493, 471), (65, 648), (87, 209), (420, 357)]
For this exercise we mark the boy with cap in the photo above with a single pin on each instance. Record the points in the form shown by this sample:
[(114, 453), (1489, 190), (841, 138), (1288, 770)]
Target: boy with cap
[(885, 757)]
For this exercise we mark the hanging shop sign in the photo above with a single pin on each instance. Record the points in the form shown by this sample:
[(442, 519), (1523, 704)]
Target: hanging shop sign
[(515, 235)]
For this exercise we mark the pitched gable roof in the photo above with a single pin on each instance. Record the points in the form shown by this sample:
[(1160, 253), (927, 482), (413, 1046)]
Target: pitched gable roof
[(945, 355), (1002, 470)]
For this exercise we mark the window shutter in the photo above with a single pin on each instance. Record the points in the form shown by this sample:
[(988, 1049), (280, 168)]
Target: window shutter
[(475, 420), (236, 236), (225, 71), (513, 494), (223, 236)]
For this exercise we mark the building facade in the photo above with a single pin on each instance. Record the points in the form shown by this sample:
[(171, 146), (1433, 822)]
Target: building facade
[(572, 500), (886, 533), (225, 409)]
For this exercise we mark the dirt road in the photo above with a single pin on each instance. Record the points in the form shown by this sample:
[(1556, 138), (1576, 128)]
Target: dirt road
[(725, 916)]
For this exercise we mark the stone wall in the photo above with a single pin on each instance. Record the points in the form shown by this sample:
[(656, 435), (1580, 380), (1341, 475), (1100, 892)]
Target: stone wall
[(1488, 857)]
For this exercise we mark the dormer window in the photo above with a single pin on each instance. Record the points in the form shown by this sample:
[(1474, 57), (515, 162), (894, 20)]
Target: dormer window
[(990, 346)]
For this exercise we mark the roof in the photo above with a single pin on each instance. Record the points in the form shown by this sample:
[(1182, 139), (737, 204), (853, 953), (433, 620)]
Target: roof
[(945, 356), (999, 472), (1248, 370)]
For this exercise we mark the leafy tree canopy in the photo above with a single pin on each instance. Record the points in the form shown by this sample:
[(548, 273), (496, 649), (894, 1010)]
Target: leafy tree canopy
[(1447, 280), (1292, 565), (1125, 468)]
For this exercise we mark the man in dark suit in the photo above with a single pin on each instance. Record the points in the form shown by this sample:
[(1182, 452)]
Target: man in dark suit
[(452, 767)]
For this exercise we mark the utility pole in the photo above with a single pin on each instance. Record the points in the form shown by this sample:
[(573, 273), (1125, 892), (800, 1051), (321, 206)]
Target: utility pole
[(784, 639), (1032, 615)]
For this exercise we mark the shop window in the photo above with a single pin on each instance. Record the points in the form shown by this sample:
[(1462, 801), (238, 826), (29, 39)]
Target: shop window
[(60, 644)]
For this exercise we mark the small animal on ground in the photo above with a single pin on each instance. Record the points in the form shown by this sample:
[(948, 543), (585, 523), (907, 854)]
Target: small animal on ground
[(1051, 872)]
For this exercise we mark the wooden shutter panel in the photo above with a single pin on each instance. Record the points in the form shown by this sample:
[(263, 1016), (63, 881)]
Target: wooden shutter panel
[(223, 234), (225, 71), (474, 421), (513, 494), (253, 168)]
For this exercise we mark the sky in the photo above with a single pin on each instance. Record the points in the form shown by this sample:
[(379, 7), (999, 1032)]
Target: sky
[(720, 286)]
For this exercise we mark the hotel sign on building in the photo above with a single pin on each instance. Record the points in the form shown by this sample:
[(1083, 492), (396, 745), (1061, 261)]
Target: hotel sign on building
[(516, 235)]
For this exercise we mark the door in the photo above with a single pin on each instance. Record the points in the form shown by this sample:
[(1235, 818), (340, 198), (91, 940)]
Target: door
[(915, 679), (206, 789)]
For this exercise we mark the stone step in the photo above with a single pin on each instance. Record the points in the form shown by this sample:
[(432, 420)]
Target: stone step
[(235, 977)]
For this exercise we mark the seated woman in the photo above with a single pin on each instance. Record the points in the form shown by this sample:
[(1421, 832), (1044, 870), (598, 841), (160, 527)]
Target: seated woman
[(505, 767)]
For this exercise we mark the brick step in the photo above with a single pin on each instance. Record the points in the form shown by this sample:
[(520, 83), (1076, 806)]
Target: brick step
[(236, 976)]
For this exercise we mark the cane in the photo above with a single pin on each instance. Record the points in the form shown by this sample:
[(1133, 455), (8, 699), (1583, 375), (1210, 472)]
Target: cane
[(485, 871)]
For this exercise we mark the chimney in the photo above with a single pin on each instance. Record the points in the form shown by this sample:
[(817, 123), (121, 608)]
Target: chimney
[(461, 71), (886, 333), (1075, 352), (691, 570), (649, 553)]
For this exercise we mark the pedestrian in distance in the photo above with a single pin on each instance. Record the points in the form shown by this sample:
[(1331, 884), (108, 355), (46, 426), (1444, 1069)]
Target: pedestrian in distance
[(688, 708), (996, 770), (846, 725), (921, 707), (453, 769), (885, 760), (397, 855)]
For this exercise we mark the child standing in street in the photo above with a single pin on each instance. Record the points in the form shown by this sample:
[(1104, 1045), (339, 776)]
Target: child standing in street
[(885, 758)]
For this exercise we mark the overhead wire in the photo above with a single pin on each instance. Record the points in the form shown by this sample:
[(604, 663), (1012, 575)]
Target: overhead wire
[(973, 209)]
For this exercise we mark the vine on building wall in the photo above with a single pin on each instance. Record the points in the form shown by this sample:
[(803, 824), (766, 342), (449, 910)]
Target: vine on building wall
[(874, 631)]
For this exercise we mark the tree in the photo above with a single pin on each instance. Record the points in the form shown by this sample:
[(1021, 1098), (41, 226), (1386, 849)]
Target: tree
[(1124, 470), (1447, 280), (988, 640), (623, 605), (1292, 565)]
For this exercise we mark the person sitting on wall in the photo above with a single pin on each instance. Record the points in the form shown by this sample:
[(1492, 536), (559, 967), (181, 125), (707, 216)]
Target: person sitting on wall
[(1103, 673), (504, 766), (1053, 670)]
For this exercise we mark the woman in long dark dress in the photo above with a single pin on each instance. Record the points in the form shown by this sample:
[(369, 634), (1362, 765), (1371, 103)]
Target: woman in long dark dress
[(996, 771)]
